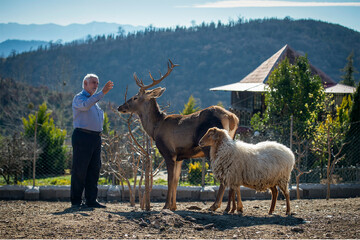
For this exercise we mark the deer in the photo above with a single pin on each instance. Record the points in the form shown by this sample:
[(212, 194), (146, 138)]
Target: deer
[(177, 136)]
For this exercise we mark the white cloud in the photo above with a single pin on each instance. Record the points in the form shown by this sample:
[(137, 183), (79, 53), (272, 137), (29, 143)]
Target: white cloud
[(265, 3)]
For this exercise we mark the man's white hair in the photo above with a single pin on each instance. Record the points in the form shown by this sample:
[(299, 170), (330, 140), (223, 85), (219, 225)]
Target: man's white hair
[(87, 77)]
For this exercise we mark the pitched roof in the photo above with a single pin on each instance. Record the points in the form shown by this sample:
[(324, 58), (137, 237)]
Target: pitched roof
[(340, 88), (261, 73), (256, 80)]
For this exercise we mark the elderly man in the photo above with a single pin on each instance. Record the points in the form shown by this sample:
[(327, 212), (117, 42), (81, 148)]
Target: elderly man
[(86, 141)]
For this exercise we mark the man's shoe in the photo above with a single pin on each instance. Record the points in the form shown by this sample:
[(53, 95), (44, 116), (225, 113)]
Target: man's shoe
[(95, 205), (75, 206)]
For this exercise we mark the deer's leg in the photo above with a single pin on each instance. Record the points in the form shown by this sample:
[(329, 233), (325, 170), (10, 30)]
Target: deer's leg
[(274, 195), (240, 207), (170, 165), (285, 191), (219, 198), (176, 181)]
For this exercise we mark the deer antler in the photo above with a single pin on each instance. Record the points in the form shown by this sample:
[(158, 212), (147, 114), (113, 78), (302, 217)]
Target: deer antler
[(126, 93), (140, 83)]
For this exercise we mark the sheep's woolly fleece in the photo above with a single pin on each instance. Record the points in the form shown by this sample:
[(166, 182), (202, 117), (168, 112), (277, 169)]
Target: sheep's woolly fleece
[(258, 166)]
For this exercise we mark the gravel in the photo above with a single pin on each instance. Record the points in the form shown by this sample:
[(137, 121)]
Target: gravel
[(311, 218)]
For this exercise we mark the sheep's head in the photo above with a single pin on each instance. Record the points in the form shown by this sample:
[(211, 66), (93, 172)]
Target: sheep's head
[(211, 137)]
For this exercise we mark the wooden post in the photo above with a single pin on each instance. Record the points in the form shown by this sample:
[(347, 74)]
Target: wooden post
[(203, 172), (35, 147), (328, 165), (147, 174)]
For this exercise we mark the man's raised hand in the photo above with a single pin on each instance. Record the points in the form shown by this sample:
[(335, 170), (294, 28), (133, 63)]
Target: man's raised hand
[(108, 86)]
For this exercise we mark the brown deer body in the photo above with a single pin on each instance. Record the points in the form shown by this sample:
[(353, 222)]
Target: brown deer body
[(176, 136)]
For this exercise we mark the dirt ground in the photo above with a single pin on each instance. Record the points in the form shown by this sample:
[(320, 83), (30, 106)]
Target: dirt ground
[(315, 218)]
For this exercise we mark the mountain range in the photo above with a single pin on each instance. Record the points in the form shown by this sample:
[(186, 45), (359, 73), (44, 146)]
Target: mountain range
[(22, 37), (209, 55), (11, 47)]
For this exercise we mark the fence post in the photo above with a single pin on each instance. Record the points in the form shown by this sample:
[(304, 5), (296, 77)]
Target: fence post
[(35, 146)]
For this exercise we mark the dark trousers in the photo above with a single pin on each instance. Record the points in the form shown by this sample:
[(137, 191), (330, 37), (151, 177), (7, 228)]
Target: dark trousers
[(86, 166)]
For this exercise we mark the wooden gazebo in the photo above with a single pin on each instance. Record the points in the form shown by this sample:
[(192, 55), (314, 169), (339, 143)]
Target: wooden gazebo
[(247, 96)]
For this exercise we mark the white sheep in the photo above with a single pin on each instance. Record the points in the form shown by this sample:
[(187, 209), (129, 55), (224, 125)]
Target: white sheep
[(258, 166)]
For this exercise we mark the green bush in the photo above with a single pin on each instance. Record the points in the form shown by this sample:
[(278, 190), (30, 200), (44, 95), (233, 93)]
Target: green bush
[(50, 139), (195, 172)]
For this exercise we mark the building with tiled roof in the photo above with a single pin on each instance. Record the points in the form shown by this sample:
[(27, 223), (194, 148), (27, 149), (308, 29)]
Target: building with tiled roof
[(247, 97)]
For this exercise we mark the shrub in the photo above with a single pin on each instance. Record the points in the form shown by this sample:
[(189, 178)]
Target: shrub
[(195, 172), (52, 159)]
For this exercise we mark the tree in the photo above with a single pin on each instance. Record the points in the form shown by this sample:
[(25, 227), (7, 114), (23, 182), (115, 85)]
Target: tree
[(121, 31), (343, 110), (353, 134), (15, 154), (293, 91), (349, 71), (52, 160), (190, 106), (329, 143), (129, 155), (300, 147), (106, 125)]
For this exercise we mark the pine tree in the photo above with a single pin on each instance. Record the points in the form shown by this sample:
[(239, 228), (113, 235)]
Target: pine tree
[(190, 106), (349, 71), (52, 159)]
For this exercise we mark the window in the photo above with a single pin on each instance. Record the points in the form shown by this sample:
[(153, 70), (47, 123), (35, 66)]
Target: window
[(338, 99), (257, 101), (242, 100)]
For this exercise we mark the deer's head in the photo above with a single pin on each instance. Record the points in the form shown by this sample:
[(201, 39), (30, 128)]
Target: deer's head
[(136, 103)]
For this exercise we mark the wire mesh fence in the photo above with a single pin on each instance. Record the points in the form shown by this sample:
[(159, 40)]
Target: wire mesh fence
[(314, 151), (52, 157)]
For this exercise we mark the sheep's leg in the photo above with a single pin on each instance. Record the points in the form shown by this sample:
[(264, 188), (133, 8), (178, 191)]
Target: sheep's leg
[(219, 198), (240, 207), (231, 199), (176, 181), (285, 191), (274, 195)]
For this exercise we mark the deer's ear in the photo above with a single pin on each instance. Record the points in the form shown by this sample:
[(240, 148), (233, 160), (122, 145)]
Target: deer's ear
[(155, 93)]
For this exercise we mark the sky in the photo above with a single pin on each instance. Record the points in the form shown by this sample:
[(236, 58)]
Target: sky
[(171, 13)]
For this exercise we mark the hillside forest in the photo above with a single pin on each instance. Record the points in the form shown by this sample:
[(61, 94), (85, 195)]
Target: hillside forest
[(209, 55)]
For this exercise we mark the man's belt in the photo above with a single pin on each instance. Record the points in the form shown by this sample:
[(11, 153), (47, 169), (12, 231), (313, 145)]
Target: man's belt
[(88, 131)]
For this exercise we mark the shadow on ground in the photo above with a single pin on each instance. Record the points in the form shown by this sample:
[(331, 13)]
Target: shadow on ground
[(205, 220), (82, 211)]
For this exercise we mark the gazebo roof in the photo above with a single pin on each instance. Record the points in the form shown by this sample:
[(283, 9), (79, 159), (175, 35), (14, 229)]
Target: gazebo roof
[(340, 88), (256, 80)]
